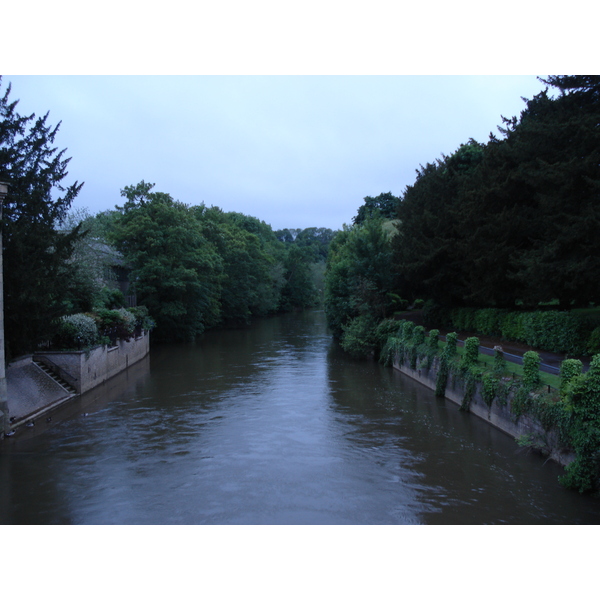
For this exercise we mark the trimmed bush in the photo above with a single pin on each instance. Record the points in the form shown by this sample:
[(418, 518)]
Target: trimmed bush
[(487, 321), (583, 400), (115, 324), (433, 342), (499, 362), (471, 353), (531, 370), (511, 326), (418, 335), (450, 350), (569, 369), (76, 332), (552, 330), (406, 330), (463, 319)]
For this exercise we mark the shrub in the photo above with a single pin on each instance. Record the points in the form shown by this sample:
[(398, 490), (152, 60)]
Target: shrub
[(556, 331), (142, 319), (583, 399), (406, 330), (431, 347), (471, 353), (76, 331), (593, 346), (569, 369), (531, 370), (487, 321), (463, 319), (489, 388), (433, 341), (450, 349), (358, 337), (391, 348), (499, 363), (385, 329), (110, 298), (511, 326), (115, 324), (418, 335), (128, 319)]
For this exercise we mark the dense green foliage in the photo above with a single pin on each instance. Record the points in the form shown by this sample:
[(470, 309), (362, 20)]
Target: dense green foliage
[(359, 278), (552, 330), (573, 413), (500, 239), (193, 267), (176, 270), (514, 219), (384, 206), (569, 369), (82, 331), (196, 267), (40, 280), (580, 423)]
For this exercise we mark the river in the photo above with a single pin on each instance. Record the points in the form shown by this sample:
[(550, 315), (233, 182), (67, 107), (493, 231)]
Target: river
[(273, 424)]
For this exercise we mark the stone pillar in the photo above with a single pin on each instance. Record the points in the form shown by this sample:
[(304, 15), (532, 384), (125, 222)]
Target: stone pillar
[(4, 417)]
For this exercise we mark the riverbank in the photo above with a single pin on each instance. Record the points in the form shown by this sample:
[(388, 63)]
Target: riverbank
[(499, 415), (38, 384), (513, 351)]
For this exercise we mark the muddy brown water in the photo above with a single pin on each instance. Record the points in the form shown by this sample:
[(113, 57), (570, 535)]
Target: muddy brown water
[(273, 424)]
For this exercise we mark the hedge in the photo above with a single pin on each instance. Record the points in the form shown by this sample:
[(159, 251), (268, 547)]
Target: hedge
[(552, 330)]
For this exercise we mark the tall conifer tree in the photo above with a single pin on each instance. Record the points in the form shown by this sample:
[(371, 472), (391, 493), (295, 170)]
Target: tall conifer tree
[(36, 255)]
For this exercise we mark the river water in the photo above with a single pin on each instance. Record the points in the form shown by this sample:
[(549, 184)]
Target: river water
[(273, 424)]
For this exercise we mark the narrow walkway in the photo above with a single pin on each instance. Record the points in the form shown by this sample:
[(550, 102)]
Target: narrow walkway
[(513, 351)]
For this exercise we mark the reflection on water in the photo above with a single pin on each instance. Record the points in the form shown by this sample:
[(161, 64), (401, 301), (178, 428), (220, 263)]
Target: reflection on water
[(273, 424)]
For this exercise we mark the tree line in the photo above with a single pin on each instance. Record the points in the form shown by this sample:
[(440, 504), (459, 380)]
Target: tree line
[(195, 267), (509, 224), (192, 266)]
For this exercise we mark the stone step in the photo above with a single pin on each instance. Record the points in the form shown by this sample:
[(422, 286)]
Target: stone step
[(55, 376)]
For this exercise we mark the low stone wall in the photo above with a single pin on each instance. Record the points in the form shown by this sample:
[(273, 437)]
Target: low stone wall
[(86, 369), (500, 416)]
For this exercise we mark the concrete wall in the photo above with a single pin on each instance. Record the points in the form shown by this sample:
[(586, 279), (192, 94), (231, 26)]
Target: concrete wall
[(86, 369), (499, 416)]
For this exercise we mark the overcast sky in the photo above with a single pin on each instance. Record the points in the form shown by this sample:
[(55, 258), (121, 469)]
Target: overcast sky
[(294, 151)]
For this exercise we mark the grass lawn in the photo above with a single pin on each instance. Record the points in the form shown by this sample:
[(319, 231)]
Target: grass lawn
[(488, 361)]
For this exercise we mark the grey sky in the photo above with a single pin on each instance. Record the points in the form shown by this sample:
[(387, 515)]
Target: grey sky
[(294, 151)]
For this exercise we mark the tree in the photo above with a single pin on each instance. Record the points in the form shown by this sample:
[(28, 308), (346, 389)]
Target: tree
[(93, 260), (317, 239), (384, 205), (528, 212), (427, 254), (558, 142), (177, 272), (359, 279), (299, 290), (38, 273), (250, 285)]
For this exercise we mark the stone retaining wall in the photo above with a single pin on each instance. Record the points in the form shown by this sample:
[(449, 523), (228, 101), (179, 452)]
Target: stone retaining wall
[(497, 415), (85, 370)]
